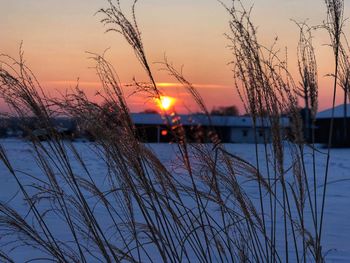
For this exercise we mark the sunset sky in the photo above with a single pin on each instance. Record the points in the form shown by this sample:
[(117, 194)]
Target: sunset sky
[(57, 34)]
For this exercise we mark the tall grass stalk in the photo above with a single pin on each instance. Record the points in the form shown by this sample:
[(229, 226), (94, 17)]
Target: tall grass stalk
[(140, 208), (334, 26)]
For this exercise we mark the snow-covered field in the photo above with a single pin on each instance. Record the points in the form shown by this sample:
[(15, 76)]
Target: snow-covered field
[(336, 235), (337, 217)]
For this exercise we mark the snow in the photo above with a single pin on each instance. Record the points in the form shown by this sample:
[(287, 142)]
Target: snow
[(337, 216)]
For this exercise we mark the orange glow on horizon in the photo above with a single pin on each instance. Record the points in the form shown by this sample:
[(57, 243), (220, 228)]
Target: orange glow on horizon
[(168, 84), (55, 43), (165, 102)]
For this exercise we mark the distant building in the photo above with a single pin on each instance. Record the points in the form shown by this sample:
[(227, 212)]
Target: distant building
[(341, 126), (230, 129)]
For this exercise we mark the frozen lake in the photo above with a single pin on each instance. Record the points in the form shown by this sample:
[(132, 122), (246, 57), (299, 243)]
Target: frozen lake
[(336, 233)]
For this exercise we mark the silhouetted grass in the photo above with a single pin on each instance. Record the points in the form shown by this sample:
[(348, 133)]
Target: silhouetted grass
[(147, 211)]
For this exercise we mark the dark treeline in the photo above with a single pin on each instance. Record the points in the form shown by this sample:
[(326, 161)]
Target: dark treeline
[(24, 127)]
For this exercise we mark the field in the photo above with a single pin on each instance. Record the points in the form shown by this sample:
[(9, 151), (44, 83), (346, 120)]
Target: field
[(337, 224), (118, 200)]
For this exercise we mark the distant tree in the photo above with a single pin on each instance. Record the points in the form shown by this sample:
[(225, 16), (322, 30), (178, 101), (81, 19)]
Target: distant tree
[(262, 113), (150, 111), (225, 111), (3, 128)]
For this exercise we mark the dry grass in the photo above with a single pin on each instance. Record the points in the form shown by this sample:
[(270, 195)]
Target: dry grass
[(199, 212)]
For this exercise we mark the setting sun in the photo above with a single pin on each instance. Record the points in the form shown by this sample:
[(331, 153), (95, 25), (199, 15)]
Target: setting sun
[(165, 102)]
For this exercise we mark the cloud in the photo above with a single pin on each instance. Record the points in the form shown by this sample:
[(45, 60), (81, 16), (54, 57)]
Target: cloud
[(196, 85), (159, 84), (72, 83)]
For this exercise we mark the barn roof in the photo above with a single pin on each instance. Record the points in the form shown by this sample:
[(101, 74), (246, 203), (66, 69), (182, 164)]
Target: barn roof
[(338, 112)]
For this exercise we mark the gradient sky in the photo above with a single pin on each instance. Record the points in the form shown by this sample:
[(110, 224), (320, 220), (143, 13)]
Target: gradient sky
[(56, 35)]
